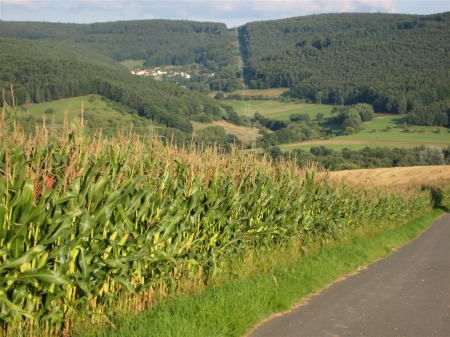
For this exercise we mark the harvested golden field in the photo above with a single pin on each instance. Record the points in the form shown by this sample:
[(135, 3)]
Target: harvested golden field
[(396, 176)]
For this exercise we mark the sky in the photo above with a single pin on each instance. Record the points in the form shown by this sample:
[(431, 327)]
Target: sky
[(231, 12)]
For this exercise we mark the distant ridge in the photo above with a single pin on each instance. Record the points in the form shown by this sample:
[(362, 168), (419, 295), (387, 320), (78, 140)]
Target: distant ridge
[(395, 62)]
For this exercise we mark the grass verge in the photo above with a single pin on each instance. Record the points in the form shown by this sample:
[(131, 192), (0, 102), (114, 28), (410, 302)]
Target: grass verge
[(234, 308)]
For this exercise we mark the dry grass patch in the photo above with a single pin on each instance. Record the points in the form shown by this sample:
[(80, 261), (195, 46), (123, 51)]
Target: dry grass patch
[(244, 133)]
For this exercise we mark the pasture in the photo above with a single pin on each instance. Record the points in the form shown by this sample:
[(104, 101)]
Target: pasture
[(277, 110), (98, 113), (383, 131)]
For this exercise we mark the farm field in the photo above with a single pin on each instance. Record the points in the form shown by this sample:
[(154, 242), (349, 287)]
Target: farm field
[(277, 110), (272, 93), (122, 223), (244, 133), (269, 93), (97, 113), (383, 131), (396, 176), (93, 105)]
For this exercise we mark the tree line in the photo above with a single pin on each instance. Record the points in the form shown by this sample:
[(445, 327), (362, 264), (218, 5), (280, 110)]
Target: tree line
[(367, 157)]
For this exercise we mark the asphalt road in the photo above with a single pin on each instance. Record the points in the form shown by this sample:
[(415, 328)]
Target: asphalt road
[(405, 294)]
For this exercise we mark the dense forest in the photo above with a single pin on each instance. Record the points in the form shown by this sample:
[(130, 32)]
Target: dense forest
[(158, 42), (43, 71), (397, 63), (209, 46)]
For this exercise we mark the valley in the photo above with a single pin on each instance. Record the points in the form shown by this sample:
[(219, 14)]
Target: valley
[(296, 151)]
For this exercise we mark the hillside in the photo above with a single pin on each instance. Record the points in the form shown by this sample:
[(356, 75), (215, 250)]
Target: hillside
[(49, 70), (158, 42), (397, 63)]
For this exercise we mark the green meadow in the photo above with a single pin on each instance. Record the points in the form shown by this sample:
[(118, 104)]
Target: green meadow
[(132, 64), (97, 112), (384, 131), (277, 110)]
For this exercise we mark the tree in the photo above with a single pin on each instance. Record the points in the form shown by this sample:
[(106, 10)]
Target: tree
[(352, 119), (432, 155), (320, 151), (299, 118), (320, 117), (275, 152), (219, 95), (212, 135), (365, 111)]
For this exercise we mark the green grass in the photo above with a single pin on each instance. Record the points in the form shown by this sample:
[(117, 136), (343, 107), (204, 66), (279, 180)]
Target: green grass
[(269, 93), (383, 131), (277, 110), (132, 64), (72, 106), (233, 309), (98, 113)]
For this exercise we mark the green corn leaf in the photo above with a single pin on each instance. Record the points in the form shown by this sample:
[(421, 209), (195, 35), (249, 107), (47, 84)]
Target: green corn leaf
[(2, 217), (124, 217), (83, 263), (85, 224), (13, 307), (25, 258), (125, 283), (43, 275), (115, 263), (84, 285), (68, 196), (62, 230)]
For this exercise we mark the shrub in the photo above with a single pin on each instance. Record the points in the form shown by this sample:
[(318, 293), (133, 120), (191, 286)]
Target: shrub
[(436, 194)]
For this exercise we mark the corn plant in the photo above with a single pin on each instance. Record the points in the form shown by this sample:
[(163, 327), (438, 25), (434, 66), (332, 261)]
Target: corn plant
[(87, 223)]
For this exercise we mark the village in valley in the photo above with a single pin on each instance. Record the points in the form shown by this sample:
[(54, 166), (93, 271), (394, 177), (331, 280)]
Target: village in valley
[(160, 73)]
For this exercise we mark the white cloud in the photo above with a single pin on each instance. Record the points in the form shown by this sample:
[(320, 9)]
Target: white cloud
[(302, 7), (232, 12)]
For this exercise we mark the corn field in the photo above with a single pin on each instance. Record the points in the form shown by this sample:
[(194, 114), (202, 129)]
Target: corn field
[(90, 222)]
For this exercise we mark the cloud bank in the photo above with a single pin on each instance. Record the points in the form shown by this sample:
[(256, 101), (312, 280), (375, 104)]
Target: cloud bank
[(231, 12)]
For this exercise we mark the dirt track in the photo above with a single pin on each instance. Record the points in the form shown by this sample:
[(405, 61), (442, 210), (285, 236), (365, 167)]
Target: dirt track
[(405, 294)]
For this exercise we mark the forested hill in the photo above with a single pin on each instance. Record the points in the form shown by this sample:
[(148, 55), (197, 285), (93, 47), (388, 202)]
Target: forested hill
[(49, 70), (158, 42), (395, 62)]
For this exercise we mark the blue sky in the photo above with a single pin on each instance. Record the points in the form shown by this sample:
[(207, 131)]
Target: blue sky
[(231, 12)]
